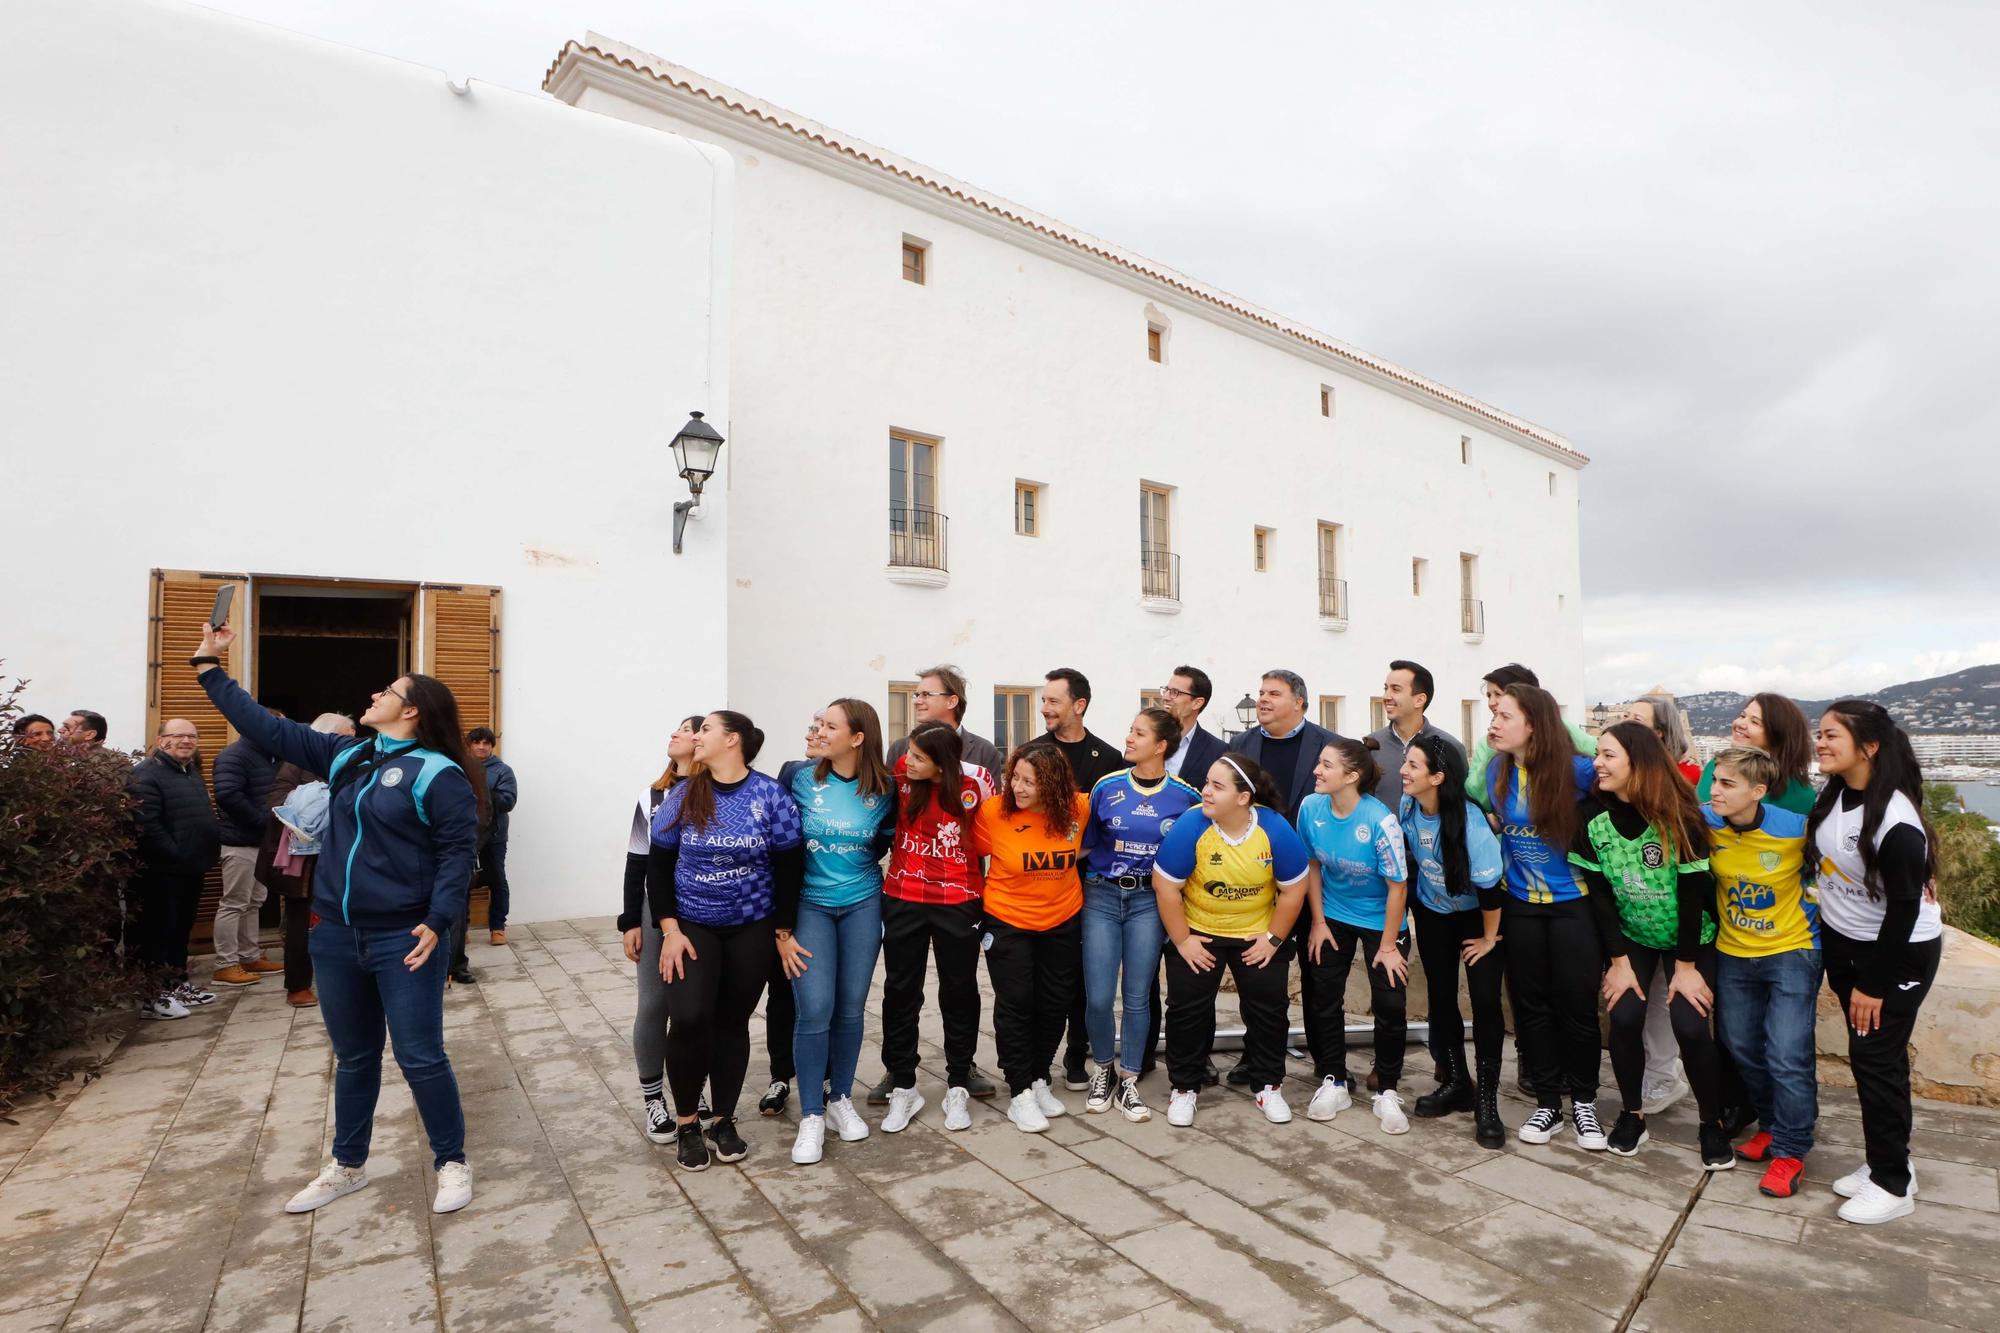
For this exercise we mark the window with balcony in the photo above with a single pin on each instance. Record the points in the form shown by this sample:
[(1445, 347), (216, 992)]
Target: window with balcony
[(916, 528), (1159, 567), (1014, 717), (1027, 509), (916, 253), (1471, 611), (1332, 587)]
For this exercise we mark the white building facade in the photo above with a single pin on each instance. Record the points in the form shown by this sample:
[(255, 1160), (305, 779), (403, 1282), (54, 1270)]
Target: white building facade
[(918, 366)]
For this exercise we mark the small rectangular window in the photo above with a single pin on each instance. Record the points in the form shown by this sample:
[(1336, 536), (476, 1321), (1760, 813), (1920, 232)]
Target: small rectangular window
[(1332, 588), (1465, 449), (1552, 483), (1155, 350), (1417, 577), (1013, 717), (902, 710), (1326, 400), (1465, 723), (1329, 712), (1027, 509), (1377, 717), (1261, 549), (914, 255), (1150, 699)]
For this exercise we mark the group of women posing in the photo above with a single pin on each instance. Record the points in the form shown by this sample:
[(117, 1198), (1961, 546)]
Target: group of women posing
[(1579, 878)]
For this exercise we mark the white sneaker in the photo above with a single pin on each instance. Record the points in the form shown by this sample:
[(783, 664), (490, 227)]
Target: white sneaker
[(192, 995), (1850, 1185), (847, 1121), (454, 1187), (1272, 1103), (1330, 1100), (1180, 1108), (1658, 1098), (904, 1103), (807, 1147), (660, 1126), (332, 1181), (163, 1006), (1026, 1113), (957, 1109), (1872, 1205), (1389, 1110), (1046, 1100)]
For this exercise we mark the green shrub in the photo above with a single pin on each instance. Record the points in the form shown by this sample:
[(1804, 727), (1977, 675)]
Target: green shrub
[(1968, 863), (66, 840)]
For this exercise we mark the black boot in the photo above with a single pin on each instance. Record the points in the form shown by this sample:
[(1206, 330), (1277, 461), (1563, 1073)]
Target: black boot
[(1455, 1093), (1486, 1126)]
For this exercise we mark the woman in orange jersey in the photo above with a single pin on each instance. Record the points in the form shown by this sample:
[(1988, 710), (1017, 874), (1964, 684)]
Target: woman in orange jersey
[(1032, 832)]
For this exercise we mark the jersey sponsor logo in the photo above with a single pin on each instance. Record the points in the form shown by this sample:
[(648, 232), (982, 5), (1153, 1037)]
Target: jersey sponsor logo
[(1653, 855), (1745, 897), (392, 778), (1057, 860), (1227, 892)]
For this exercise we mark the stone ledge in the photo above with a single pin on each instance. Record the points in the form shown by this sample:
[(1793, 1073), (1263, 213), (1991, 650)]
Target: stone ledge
[(1955, 1051)]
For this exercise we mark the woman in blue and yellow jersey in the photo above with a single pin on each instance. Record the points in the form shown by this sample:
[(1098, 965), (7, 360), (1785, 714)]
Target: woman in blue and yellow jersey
[(1231, 880), (1536, 778)]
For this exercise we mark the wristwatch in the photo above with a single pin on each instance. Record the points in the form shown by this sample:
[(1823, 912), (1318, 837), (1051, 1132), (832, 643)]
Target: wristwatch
[(1277, 941), (205, 659)]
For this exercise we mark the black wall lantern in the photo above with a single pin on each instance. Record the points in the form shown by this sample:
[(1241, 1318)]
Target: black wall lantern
[(695, 451), (1246, 711)]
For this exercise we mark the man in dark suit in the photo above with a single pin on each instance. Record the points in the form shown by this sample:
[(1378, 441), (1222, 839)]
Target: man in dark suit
[(1186, 695), (1286, 744)]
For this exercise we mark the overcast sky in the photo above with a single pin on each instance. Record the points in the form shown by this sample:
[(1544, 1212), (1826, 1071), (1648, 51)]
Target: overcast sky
[(1743, 256)]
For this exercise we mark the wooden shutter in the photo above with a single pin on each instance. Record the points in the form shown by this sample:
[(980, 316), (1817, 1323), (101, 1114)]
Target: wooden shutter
[(182, 603), (460, 645)]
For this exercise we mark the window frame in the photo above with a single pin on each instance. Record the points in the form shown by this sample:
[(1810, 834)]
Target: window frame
[(892, 729), (918, 274), (1260, 548), (1003, 724), (1329, 711), (1033, 492)]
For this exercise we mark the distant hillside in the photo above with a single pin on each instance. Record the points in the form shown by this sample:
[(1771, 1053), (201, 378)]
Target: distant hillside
[(1964, 701)]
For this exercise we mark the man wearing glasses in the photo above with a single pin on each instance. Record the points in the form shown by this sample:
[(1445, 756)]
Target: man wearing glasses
[(1186, 695), (940, 697), (179, 839)]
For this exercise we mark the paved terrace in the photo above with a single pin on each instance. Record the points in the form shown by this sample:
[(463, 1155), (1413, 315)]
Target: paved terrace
[(152, 1200)]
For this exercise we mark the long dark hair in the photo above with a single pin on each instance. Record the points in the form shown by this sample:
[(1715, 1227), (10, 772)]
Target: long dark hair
[(1659, 793), (1549, 763), (1246, 774), (698, 806), (1441, 756), (1788, 738), (673, 777), (438, 730), (1359, 757), (1893, 769), (1055, 786), (871, 775), (941, 745)]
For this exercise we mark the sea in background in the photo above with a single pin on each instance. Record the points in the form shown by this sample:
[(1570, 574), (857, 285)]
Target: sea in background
[(1981, 799)]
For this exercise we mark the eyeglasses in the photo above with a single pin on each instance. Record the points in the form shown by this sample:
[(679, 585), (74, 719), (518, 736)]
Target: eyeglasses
[(179, 736), (931, 694), (391, 689), (1169, 692)]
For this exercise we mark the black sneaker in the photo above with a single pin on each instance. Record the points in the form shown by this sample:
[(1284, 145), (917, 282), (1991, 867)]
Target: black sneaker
[(729, 1145), (977, 1084), (463, 977), (1210, 1075), (659, 1120), (1075, 1077), (1101, 1086), (774, 1099), (1716, 1154), (1238, 1077), (692, 1151), (1736, 1119), (1628, 1135), (702, 1111), (879, 1094)]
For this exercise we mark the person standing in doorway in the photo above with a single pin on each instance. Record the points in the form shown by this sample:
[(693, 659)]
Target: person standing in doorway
[(504, 792), (1065, 699), (290, 854), (179, 839), (402, 833), (243, 778)]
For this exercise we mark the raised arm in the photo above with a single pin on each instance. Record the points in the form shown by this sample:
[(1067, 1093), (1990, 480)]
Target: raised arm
[(309, 749)]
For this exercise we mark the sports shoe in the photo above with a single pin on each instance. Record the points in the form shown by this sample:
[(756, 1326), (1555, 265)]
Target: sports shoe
[(1330, 1100), (703, 1112), (192, 995), (1239, 1077), (957, 1109), (262, 966), (1075, 1077), (904, 1103), (1872, 1205), (1046, 1100), (1389, 1110), (332, 1181), (234, 975), (1736, 1119), (164, 1005), (454, 1187), (774, 1098), (847, 1121), (807, 1147), (1756, 1148), (1781, 1178), (1628, 1134), (1716, 1154), (1659, 1097), (1271, 1101), (1098, 1100), (979, 1085), (729, 1145), (1589, 1134), (1180, 1107), (1543, 1125), (879, 1094), (1026, 1113), (660, 1127), (691, 1150), (301, 999), (1129, 1103), (1850, 1185)]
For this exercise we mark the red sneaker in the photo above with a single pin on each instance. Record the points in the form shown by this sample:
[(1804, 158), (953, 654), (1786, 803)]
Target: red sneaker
[(1781, 1178), (1756, 1148)]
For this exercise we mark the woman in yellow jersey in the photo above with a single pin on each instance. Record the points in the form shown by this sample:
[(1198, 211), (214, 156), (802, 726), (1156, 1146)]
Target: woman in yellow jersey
[(1231, 879)]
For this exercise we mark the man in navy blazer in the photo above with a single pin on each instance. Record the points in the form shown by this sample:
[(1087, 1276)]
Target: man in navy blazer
[(1185, 695)]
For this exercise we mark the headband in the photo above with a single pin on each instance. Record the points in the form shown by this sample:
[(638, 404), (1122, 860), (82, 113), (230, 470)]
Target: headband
[(1241, 774)]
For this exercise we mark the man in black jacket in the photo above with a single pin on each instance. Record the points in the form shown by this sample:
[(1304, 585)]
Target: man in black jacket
[(179, 839), (243, 778)]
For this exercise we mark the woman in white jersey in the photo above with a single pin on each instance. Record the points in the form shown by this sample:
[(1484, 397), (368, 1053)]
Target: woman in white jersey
[(1880, 931)]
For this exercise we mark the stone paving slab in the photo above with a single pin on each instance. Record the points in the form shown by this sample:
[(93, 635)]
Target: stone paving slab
[(152, 1199)]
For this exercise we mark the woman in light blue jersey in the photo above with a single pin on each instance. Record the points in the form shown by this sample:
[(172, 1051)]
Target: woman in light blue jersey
[(1131, 812)]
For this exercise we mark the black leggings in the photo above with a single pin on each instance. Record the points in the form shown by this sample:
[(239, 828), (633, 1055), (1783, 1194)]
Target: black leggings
[(709, 1009), (1691, 1033), (1440, 938), (1553, 972), (1389, 1002)]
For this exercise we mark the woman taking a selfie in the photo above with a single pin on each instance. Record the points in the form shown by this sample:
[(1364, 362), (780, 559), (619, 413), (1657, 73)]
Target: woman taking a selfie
[(395, 866), (722, 881), (642, 939)]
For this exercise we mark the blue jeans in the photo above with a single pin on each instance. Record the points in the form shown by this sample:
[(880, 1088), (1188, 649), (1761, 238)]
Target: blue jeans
[(365, 991), (1121, 930), (1766, 1009), (832, 996)]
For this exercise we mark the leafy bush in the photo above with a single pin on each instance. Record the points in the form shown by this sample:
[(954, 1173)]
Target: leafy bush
[(1968, 863), (66, 840)]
